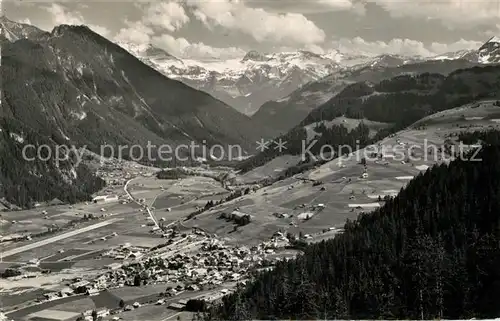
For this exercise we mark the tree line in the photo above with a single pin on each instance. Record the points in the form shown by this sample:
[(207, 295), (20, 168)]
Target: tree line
[(25, 182), (399, 102), (431, 252)]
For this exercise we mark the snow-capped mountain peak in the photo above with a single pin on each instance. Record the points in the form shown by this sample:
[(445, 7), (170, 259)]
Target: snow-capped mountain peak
[(244, 83), (490, 51)]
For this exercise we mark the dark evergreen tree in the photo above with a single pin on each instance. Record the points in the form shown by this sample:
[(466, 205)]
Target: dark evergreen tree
[(431, 252)]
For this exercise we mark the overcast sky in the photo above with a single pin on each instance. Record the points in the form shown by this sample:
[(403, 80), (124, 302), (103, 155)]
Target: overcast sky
[(229, 28)]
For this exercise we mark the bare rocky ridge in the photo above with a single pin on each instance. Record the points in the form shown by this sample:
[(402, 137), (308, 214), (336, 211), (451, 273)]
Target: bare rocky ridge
[(243, 83)]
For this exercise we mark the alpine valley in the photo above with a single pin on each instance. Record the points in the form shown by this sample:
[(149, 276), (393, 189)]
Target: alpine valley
[(295, 81), (363, 187), (74, 87)]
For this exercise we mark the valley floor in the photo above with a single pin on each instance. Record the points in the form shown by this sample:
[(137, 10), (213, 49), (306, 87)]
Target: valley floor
[(314, 204)]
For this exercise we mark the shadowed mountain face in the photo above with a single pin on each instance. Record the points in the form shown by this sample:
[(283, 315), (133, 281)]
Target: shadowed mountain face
[(79, 86), (289, 111), (395, 102), (74, 87)]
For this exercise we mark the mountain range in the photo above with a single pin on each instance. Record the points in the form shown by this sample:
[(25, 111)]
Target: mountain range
[(85, 89), (286, 112), (245, 83), (367, 111), (430, 252), (262, 84), (248, 83), (73, 87)]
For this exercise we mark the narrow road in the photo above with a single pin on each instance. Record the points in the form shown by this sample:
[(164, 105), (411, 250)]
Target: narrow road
[(148, 208), (125, 188)]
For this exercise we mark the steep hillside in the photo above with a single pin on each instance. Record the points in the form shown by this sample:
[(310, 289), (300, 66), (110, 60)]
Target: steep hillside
[(289, 111), (404, 99), (398, 102), (25, 179), (77, 85), (72, 87), (431, 252)]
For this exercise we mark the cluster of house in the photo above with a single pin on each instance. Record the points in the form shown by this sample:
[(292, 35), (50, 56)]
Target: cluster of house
[(117, 172), (78, 286), (215, 264), (123, 252)]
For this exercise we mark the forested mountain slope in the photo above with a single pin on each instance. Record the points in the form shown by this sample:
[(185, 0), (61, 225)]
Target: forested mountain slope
[(397, 102), (72, 87), (78, 85), (26, 179), (286, 113), (431, 252)]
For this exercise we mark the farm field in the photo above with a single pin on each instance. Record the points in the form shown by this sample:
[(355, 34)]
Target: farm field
[(343, 191), (314, 204)]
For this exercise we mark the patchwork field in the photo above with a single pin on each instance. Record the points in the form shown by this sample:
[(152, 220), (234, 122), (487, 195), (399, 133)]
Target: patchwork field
[(316, 203), (343, 191)]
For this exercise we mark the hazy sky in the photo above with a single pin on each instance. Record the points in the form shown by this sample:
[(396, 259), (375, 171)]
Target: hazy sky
[(229, 28)]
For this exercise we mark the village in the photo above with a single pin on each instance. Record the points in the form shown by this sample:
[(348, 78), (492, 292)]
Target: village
[(145, 245), (189, 262)]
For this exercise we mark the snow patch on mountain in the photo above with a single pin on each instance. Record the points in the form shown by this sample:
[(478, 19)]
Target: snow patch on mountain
[(494, 39), (248, 82), (490, 51)]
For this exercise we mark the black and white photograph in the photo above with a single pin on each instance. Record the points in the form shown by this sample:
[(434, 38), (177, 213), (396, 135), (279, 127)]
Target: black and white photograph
[(213, 160)]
